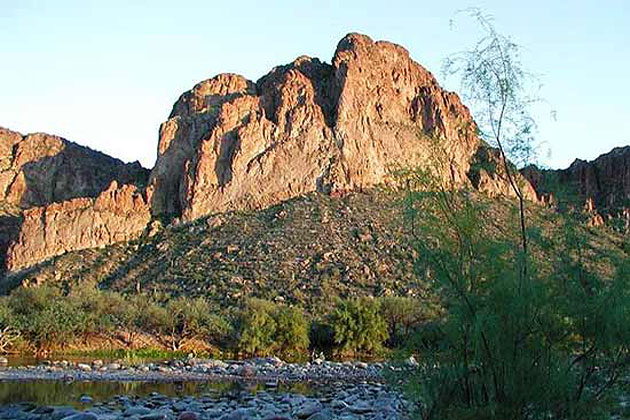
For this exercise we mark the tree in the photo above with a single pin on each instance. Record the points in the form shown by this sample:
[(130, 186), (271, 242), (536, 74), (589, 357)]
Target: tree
[(403, 315), (292, 331), (523, 337), (552, 347), (495, 85), (258, 327), (189, 319), (358, 326)]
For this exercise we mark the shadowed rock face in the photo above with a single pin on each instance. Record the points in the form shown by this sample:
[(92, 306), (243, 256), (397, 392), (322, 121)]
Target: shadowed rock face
[(39, 169), (308, 126), (601, 186)]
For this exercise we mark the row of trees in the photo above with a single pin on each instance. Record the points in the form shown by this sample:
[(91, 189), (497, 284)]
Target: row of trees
[(44, 319)]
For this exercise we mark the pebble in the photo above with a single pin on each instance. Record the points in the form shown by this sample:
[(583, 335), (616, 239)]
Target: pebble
[(136, 411), (86, 399), (81, 416)]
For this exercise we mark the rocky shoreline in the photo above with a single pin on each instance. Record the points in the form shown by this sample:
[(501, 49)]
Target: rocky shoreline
[(347, 390), (262, 370)]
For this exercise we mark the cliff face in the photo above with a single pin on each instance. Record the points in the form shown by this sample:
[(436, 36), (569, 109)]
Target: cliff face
[(117, 214), (308, 126), (41, 172), (39, 169), (488, 175), (601, 186), (232, 144)]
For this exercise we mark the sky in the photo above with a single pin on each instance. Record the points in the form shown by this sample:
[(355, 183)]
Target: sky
[(106, 73)]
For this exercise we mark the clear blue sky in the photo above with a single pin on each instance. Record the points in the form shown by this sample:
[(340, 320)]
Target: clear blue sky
[(106, 73)]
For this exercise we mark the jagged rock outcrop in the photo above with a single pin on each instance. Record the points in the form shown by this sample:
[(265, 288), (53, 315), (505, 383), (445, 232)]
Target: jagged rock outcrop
[(488, 175), (39, 169), (117, 214), (601, 187), (308, 126)]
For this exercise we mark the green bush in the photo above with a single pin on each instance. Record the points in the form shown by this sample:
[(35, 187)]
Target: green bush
[(291, 338), (267, 328), (258, 328), (100, 309), (9, 334), (358, 326), (189, 319), (404, 315), (45, 318)]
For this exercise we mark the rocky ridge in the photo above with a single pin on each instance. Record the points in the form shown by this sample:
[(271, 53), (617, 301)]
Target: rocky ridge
[(232, 144), (308, 126), (601, 187), (39, 169), (42, 174)]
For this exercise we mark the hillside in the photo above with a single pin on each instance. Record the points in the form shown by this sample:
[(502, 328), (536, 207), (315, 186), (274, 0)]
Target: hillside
[(306, 251)]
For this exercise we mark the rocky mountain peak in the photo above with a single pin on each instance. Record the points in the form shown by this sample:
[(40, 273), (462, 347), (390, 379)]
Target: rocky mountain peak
[(307, 126), (232, 144)]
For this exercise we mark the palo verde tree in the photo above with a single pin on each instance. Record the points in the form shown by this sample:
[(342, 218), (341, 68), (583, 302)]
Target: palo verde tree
[(496, 86), (524, 336)]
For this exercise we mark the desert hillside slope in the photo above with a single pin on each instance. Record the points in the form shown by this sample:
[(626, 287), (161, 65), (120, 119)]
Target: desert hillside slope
[(305, 251)]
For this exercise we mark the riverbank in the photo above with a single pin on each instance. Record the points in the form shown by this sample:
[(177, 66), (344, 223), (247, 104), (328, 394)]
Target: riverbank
[(263, 370), (336, 401), (256, 389)]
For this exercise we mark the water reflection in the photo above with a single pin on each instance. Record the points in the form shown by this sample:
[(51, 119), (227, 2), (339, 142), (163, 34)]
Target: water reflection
[(44, 392)]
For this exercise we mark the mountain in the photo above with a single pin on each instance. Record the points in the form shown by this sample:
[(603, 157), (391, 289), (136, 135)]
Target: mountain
[(307, 126), (601, 187), (232, 144)]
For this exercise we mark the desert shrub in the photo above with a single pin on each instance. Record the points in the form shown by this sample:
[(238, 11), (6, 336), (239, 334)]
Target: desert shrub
[(403, 315), (191, 319), (100, 309), (267, 328), (9, 334), (257, 328), (148, 316), (358, 326), (292, 331), (45, 317)]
